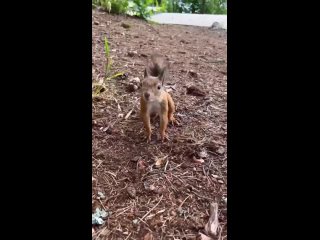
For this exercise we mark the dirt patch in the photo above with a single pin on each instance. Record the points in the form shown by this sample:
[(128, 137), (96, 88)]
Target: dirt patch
[(159, 188)]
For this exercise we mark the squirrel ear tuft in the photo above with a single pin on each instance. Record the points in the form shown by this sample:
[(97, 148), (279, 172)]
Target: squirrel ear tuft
[(146, 73), (162, 76)]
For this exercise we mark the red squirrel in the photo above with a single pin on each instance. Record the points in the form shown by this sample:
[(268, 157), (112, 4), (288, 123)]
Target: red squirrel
[(155, 101)]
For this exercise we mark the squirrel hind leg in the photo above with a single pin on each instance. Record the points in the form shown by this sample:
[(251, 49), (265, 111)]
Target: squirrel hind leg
[(171, 110)]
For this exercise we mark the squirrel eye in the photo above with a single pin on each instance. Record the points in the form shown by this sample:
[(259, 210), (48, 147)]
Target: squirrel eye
[(159, 87)]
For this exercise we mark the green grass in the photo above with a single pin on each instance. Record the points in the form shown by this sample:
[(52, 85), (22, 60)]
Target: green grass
[(98, 88)]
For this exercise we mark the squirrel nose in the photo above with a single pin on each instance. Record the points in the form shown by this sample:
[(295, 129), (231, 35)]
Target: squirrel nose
[(147, 95)]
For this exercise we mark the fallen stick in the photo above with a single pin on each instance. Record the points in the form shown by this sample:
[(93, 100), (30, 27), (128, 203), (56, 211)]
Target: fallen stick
[(213, 223), (152, 208)]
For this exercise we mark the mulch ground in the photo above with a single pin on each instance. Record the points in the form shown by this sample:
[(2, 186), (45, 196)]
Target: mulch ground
[(163, 190)]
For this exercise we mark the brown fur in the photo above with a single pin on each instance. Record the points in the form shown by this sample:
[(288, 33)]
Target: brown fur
[(158, 102), (157, 66)]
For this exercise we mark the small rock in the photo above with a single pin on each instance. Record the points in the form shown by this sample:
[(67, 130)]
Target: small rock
[(120, 115), (125, 25), (135, 80), (221, 150), (131, 191), (132, 87), (203, 154), (215, 176), (97, 217), (132, 53), (101, 195), (184, 41), (193, 90), (220, 181), (96, 23), (215, 25), (193, 74)]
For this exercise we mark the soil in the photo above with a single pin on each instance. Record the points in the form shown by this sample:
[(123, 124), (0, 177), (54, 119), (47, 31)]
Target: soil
[(159, 190)]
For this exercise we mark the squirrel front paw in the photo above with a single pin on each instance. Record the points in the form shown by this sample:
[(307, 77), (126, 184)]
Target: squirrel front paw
[(164, 137), (174, 121)]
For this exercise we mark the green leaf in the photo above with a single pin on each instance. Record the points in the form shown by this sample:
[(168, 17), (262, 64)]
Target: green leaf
[(115, 75), (106, 47)]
